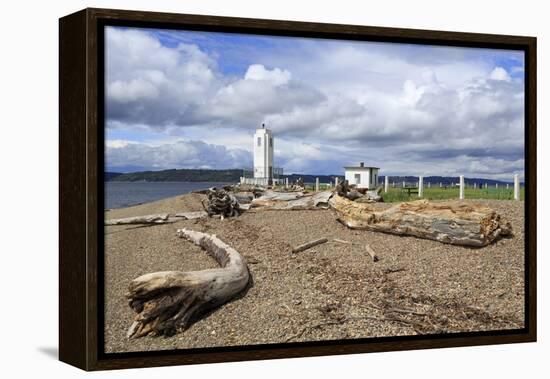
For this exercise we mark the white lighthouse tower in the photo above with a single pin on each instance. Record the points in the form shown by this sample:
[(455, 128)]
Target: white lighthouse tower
[(263, 155)]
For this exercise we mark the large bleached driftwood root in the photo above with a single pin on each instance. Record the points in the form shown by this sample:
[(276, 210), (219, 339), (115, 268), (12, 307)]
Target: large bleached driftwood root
[(450, 222), (166, 302)]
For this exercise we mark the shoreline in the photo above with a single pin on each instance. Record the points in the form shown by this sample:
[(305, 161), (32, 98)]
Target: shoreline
[(127, 194)]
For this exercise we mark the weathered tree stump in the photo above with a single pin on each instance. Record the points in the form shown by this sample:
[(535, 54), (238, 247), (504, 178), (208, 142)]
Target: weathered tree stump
[(450, 222), (221, 202), (165, 302)]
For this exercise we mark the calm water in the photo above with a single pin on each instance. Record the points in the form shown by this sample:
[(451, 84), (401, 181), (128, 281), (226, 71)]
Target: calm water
[(124, 194)]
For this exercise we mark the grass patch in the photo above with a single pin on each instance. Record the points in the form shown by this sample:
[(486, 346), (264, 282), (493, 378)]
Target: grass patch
[(398, 195)]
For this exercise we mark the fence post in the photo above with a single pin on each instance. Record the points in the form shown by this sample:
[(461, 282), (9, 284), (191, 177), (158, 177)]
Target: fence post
[(316, 184), (386, 183), (516, 187), (507, 185), (440, 185), (429, 184), (485, 185), (403, 184), (461, 191), (335, 182), (420, 186), (496, 185)]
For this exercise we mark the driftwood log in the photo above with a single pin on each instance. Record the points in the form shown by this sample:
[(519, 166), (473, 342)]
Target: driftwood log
[(450, 222), (342, 241), (371, 252), (292, 201), (371, 196), (148, 219), (280, 196), (166, 302), (309, 245), (345, 190), (154, 219)]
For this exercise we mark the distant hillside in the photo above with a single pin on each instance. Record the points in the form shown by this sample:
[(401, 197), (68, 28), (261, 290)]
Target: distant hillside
[(108, 176), (198, 175), (233, 176), (182, 175)]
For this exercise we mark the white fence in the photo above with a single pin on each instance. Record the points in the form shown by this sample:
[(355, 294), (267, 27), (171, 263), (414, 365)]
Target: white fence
[(461, 185)]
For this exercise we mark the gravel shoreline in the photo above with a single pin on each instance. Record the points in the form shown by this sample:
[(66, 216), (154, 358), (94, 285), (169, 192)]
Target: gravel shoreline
[(332, 291)]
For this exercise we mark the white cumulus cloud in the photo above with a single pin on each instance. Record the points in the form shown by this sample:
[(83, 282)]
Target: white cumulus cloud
[(259, 72), (329, 103), (499, 73)]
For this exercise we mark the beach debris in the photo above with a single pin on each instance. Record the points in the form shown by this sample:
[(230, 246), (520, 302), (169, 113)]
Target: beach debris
[(451, 222), (336, 322), (166, 302), (279, 196), (244, 197), (353, 194), (140, 220), (341, 241), (343, 189), (362, 195), (371, 253), (392, 270), (371, 196), (245, 207), (292, 201), (165, 218), (309, 245), (221, 202), (298, 185)]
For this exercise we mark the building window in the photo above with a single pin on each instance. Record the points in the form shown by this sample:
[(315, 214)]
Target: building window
[(259, 141), (271, 142)]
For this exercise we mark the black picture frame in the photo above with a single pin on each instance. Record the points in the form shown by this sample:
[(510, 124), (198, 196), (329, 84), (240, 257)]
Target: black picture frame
[(81, 92)]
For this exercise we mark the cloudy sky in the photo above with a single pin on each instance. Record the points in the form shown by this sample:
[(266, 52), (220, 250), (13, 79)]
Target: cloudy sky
[(179, 99)]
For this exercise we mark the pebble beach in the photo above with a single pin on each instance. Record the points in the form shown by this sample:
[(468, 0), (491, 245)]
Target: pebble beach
[(332, 291)]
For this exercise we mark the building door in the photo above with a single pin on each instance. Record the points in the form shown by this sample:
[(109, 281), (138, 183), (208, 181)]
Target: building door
[(357, 178)]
